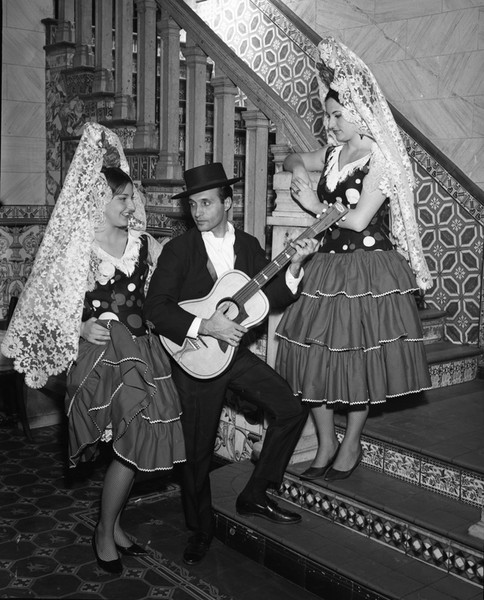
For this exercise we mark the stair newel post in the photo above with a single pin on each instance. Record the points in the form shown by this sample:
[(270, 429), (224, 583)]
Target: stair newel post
[(146, 134), (168, 166), (196, 103), (65, 24), (224, 92), (124, 108), (255, 208), (83, 54), (103, 78)]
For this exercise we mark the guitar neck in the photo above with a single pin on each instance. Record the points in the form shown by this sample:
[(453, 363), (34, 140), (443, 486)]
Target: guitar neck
[(332, 215)]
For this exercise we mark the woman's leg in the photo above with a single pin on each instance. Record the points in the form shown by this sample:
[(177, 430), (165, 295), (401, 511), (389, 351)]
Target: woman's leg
[(117, 486), (350, 446), (328, 442)]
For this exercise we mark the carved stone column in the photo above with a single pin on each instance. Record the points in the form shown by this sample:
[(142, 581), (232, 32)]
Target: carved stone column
[(65, 23), (255, 210), (83, 54), (168, 166), (146, 134), (103, 78), (224, 92), (196, 105), (123, 100)]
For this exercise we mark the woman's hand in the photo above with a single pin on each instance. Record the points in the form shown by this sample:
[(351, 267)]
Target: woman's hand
[(304, 194), (95, 333)]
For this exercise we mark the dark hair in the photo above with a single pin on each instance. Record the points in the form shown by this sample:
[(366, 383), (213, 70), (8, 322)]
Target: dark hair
[(117, 179), (225, 192), (334, 95)]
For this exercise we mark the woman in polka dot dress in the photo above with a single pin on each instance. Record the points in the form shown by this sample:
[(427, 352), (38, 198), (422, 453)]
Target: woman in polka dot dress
[(354, 337), (119, 388)]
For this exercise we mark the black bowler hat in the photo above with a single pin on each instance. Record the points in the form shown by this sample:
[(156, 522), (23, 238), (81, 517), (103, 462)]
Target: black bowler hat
[(204, 178)]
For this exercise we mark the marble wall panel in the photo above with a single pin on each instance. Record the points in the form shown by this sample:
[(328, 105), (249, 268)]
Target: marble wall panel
[(24, 83), (20, 154), (389, 10), (25, 14), (478, 122), (22, 188), (408, 79), (445, 33), (23, 119), (459, 4), (480, 32), (29, 41), (447, 118), (342, 15), (378, 43), (458, 74)]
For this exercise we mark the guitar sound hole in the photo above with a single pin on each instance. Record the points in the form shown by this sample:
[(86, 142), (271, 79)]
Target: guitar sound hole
[(229, 308)]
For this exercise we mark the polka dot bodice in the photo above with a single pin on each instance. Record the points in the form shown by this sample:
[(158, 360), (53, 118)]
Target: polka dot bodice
[(347, 190), (122, 294)]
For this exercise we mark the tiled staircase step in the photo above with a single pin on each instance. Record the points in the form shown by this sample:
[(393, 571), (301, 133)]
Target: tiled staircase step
[(446, 352), (377, 497), (450, 364), (331, 561), (433, 322), (431, 440)]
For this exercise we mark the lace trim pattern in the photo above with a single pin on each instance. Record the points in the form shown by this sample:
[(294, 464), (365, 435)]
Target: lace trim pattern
[(334, 174), (366, 106), (43, 335)]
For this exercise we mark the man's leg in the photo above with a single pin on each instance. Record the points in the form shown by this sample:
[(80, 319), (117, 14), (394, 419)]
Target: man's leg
[(202, 403), (255, 381)]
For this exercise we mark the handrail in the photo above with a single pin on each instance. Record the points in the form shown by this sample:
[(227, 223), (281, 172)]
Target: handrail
[(295, 129)]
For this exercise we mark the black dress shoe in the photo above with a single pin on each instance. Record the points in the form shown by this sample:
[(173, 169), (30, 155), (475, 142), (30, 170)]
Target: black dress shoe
[(111, 566), (267, 510), (133, 550), (335, 474), (196, 549), (316, 472)]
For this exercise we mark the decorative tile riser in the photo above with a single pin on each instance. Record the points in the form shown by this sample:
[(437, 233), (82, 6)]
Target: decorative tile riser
[(453, 372), (432, 549), (422, 471), (433, 331)]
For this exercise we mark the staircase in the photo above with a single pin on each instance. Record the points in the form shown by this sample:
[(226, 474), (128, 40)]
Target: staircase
[(398, 527)]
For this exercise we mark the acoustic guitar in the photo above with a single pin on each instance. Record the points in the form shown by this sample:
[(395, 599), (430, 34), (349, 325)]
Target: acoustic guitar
[(242, 300)]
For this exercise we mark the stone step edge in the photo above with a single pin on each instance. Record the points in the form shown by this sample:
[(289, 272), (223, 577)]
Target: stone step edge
[(421, 543), (430, 473), (444, 352)]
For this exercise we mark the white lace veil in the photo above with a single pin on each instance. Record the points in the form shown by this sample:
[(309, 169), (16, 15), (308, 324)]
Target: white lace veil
[(364, 104), (43, 335)]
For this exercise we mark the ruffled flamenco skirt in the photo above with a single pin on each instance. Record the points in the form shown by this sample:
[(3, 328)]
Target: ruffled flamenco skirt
[(354, 336), (124, 388)]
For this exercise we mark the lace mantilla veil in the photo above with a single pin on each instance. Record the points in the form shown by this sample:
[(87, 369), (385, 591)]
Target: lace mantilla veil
[(43, 335), (365, 105)]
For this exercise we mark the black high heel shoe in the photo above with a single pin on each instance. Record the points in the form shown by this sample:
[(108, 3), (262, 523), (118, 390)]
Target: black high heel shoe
[(316, 472), (110, 566), (133, 550), (336, 474)]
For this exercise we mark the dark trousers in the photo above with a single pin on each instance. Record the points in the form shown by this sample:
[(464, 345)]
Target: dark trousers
[(202, 402)]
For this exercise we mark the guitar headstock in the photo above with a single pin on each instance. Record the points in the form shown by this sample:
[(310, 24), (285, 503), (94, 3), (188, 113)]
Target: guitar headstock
[(331, 215)]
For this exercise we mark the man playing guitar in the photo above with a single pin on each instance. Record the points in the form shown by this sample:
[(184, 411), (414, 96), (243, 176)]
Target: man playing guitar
[(187, 269)]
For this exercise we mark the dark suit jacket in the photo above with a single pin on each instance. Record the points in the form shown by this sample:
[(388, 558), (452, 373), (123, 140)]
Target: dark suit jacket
[(182, 274)]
